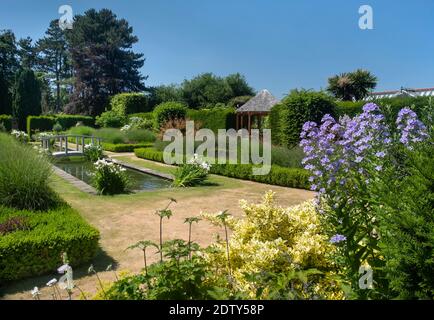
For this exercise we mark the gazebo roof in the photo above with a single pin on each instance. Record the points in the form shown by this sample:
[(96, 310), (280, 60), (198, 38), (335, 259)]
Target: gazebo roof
[(262, 102)]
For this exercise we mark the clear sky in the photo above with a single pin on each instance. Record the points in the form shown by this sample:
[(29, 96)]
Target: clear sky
[(276, 44)]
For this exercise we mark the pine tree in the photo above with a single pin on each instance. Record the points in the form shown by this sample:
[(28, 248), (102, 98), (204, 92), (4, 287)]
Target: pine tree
[(103, 60), (5, 98), (55, 59), (27, 97)]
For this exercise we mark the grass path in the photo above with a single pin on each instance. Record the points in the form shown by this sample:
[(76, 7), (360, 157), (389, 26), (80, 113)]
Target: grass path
[(126, 219)]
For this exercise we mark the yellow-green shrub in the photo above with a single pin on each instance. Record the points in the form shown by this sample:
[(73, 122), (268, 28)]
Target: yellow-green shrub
[(276, 240)]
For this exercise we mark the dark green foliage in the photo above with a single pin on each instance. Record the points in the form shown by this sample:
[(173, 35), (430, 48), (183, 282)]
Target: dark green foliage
[(111, 119), (5, 97), (294, 110), (103, 61), (206, 90), (6, 121), (54, 60), (9, 64), (149, 154), (110, 135), (164, 93), (168, 111), (238, 101), (27, 97), (214, 119), (124, 147), (284, 157), (127, 103), (170, 280), (38, 249), (69, 121), (352, 85), (24, 177), (46, 123), (274, 122), (349, 108), (394, 105), (143, 115), (407, 224), (39, 124)]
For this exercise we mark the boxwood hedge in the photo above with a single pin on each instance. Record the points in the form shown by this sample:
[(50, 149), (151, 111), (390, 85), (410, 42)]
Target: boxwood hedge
[(124, 147), (280, 176), (38, 249)]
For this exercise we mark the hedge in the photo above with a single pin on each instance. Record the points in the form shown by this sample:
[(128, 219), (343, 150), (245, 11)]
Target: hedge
[(39, 123), (127, 103), (168, 111), (124, 147), (214, 119), (69, 121), (351, 108), (280, 176), (142, 115), (6, 120), (38, 250), (46, 123)]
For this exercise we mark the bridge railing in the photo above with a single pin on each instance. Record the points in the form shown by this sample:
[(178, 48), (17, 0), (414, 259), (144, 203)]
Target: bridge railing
[(63, 141)]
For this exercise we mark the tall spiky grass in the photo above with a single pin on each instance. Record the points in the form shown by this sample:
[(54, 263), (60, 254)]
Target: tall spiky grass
[(24, 176)]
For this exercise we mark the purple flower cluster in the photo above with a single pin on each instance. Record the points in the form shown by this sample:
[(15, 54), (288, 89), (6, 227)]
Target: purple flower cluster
[(411, 129), (334, 150), (337, 238)]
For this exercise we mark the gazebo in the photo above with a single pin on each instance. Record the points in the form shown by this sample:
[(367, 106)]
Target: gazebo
[(259, 106)]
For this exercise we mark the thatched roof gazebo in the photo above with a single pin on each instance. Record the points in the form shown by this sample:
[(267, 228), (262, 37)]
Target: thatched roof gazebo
[(259, 106)]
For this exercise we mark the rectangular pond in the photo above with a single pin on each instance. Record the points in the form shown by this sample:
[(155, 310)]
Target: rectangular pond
[(139, 181)]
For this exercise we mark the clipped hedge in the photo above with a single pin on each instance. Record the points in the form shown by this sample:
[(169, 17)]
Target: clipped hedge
[(38, 250), (352, 108), (69, 121), (39, 123), (124, 147), (127, 103), (6, 120), (214, 119), (168, 111), (280, 176), (149, 154), (46, 123)]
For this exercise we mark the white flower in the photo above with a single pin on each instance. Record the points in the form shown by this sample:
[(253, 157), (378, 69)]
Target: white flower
[(63, 268), (35, 292), (52, 282)]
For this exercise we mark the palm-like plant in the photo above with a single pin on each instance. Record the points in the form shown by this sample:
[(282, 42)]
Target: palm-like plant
[(352, 85)]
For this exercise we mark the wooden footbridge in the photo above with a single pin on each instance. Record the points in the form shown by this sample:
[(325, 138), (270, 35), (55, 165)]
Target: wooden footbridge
[(68, 145)]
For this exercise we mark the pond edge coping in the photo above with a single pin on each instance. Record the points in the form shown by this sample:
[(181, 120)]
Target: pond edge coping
[(81, 185), (155, 173)]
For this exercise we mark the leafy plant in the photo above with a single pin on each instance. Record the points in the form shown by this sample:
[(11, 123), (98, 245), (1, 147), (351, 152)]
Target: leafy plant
[(93, 152), (192, 173), (165, 213), (110, 178)]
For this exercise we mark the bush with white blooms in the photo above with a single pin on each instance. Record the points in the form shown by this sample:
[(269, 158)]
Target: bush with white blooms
[(110, 178), (192, 173)]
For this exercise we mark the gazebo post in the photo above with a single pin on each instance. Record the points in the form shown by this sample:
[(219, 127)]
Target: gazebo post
[(238, 122), (249, 126)]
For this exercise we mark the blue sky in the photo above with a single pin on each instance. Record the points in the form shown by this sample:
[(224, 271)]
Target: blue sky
[(276, 44)]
